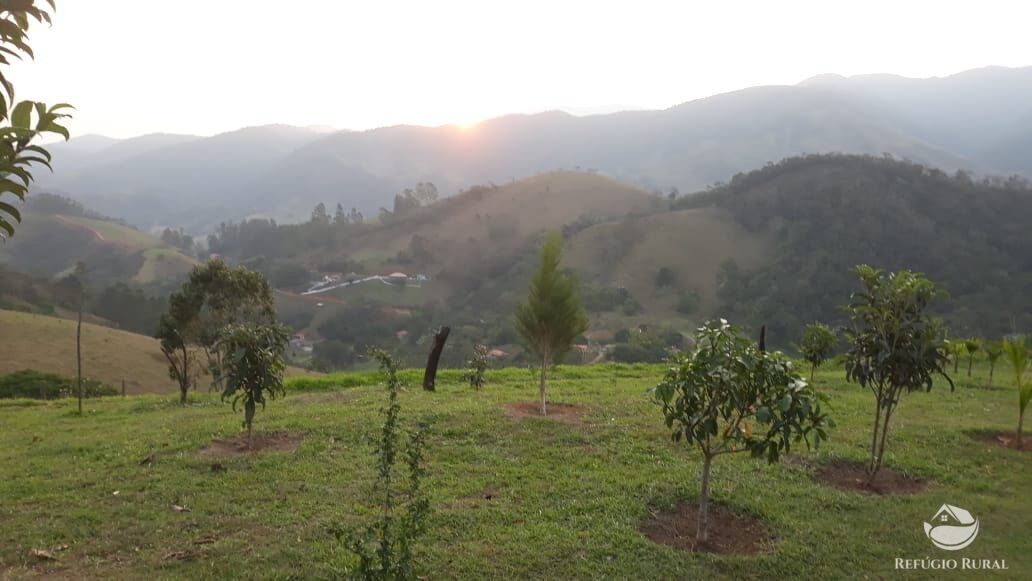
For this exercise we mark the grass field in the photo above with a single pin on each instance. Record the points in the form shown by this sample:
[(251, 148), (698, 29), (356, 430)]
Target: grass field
[(43, 343), (162, 263), (513, 499)]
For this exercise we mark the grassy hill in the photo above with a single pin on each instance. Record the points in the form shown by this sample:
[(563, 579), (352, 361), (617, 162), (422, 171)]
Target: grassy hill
[(43, 343), (511, 498), (494, 219), (51, 244), (690, 243)]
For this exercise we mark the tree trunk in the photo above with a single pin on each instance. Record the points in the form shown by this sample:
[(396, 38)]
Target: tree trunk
[(702, 525), (1021, 423), (184, 381), (970, 359), (991, 366), (430, 375), (813, 369), (123, 387), (78, 348), (763, 338), (874, 436), (881, 446), (541, 386)]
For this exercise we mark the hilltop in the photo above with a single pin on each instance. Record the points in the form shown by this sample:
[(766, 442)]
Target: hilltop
[(56, 234)]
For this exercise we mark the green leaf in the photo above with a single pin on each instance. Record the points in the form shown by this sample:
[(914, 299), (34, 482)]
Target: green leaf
[(786, 403), (21, 116), (11, 210)]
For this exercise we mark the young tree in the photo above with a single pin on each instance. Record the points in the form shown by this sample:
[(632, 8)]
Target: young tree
[(1017, 355), (23, 122), (552, 317), (728, 396), (80, 282), (993, 351), (817, 344), (476, 368), (954, 351), (896, 346), (213, 296), (971, 346), (384, 547), (254, 366)]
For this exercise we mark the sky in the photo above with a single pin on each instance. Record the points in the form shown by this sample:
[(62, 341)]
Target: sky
[(203, 67)]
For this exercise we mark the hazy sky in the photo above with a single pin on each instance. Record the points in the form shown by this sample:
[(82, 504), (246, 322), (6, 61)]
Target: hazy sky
[(206, 66)]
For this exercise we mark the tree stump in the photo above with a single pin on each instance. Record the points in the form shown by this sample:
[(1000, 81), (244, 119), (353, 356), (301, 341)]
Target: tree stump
[(430, 375)]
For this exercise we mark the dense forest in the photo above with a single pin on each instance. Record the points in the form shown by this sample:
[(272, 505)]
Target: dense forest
[(828, 213)]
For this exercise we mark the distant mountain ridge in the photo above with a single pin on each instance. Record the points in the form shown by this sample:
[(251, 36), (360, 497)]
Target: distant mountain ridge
[(973, 120)]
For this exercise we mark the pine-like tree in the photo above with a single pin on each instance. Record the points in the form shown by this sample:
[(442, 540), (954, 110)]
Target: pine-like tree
[(552, 317)]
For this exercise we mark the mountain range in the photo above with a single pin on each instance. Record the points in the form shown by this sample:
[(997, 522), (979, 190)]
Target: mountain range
[(979, 120)]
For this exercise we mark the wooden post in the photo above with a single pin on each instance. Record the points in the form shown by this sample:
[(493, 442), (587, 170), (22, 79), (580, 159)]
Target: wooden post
[(123, 387), (430, 376), (763, 338)]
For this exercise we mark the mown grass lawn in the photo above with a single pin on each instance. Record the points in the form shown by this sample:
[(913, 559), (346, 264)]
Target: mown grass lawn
[(565, 501)]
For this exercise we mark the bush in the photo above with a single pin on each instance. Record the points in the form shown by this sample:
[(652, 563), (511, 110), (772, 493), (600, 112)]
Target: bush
[(688, 303), (38, 385)]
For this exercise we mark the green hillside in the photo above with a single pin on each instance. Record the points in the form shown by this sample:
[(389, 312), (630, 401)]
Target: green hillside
[(47, 344), (50, 244), (825, 214)]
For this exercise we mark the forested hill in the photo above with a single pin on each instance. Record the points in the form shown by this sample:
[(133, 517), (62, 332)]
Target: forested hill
[(828, 213)]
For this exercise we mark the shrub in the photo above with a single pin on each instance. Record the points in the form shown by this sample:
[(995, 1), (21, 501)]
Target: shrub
[(476, 368), (37, 385), (384, 547)]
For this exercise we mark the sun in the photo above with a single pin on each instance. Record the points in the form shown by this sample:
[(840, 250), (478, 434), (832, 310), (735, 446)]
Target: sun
[(466, 126)]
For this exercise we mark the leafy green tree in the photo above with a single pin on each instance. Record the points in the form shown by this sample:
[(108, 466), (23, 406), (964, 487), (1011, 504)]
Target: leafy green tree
[(971, 346), (384, 547), (552, 317), (23, 122), (955, 350), (182, 357), (817, 345), (993, 351), (254, 366), (727, 396), (1017, 356), (213, 296), (476, 367), (896, 347)]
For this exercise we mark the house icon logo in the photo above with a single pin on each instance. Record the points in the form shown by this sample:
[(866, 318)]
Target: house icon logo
[(952, 528)]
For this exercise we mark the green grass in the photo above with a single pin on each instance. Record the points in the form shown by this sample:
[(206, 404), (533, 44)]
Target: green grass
[(567, 497), (162, 263)]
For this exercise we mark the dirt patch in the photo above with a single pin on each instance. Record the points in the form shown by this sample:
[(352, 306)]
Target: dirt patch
[(730, 533), (1004, 440), (563, 412), (853, 477), (260, 442)]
